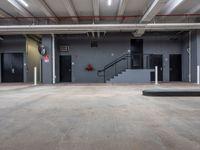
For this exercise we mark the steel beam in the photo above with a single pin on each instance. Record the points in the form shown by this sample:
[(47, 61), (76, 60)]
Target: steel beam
[(121, 9), (71, 10), (96, 9)]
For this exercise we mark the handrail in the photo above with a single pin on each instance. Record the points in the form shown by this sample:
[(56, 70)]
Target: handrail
[(113, 63)]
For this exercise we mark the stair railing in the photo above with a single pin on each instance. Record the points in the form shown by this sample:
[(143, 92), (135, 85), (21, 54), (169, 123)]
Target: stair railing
[(102, 72)]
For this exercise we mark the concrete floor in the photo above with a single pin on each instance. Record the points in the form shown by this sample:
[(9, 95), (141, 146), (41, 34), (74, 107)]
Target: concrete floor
[(97, 117)]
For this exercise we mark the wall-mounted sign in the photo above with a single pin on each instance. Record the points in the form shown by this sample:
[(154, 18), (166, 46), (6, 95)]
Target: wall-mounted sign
[(64, 48)]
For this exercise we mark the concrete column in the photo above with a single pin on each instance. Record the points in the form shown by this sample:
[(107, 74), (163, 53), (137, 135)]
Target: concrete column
[(47, 66), (195, 54)]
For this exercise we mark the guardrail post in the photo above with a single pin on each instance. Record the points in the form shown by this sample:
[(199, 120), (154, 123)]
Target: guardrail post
[(198, 75), (156, 75), (35, 76)]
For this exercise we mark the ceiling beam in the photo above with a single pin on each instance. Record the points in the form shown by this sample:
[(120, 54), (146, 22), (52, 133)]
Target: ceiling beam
[(191, 11), (121, 9), (96, 9), (153, 10), (4, 14), (19, 8), (194, 9), (71, 10), (45, 9)]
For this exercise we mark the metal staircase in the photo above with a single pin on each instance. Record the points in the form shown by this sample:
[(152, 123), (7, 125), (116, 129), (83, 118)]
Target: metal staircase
[(115, 67)]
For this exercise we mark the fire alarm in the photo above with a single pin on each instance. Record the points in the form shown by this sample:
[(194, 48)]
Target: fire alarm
[(46, 58)]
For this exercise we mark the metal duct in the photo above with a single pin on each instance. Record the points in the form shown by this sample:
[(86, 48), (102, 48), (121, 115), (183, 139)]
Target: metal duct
[(70, 29)]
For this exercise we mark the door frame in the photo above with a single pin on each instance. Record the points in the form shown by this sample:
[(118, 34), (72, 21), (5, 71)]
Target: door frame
[(12, 52), (170, 77), (60, 68)]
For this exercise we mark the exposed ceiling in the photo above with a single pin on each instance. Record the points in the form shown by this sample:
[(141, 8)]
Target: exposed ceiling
[(138, 16), (98, 11)]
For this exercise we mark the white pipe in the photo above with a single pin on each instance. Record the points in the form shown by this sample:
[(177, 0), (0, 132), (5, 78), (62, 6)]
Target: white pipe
[(156, 75), (53, 59), (35, 76), (189, 55), (45, 29), (198, 75)]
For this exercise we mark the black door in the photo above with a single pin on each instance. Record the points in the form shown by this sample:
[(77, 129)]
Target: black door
[(175, 67), (12, 67), (136, 54), (65, 69), (156, 60)]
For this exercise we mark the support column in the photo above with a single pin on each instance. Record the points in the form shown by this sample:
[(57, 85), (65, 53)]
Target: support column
[(195, 54), (47, 66)]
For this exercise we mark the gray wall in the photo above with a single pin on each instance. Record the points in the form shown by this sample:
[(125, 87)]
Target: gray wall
[(164, 46), (33, 59), (109, 49), (195, 54), (13, 44), (82, 54), (185, 57), (198, 47)]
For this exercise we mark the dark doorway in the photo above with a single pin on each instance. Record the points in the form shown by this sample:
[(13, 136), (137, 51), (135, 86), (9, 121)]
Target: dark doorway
[(12, 67), (156, 60), (137, 54), (65, 69), (175, 67)]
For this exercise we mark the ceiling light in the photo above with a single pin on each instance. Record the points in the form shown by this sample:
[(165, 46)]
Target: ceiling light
[(23, 3), (14, 2), (109, 2)]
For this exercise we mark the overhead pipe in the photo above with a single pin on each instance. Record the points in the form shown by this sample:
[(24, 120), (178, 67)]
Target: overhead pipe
[(190, 56), (80, 28), (96, 17), (53, 59)]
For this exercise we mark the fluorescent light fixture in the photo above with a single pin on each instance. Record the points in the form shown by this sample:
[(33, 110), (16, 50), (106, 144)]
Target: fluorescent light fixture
[(14, 2), (23, 3), (109, 2)]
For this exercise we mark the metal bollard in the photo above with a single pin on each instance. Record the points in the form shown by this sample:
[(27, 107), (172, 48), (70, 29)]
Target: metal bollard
[(35, 76), (156, 75), (198, 75)]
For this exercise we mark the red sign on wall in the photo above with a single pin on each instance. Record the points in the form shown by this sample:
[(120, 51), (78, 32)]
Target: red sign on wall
[(46, 58)]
